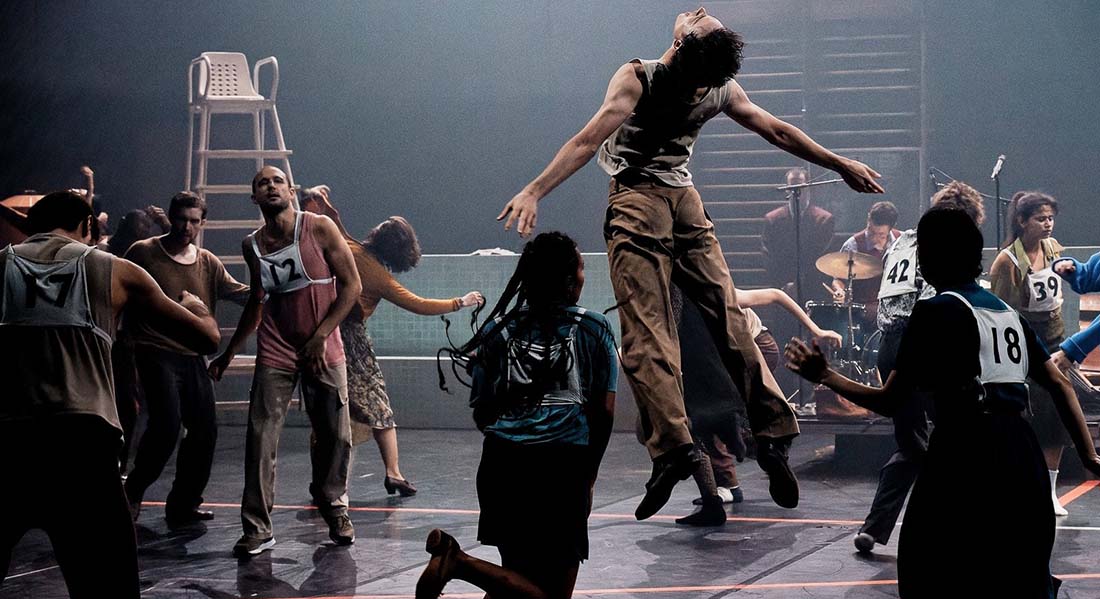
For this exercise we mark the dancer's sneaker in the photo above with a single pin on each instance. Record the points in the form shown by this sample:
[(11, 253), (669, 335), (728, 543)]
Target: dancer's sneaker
[(1059, 510), (340, 530), (250, 546), (668, 469), (771, 454), (710, 513), (864, 543)]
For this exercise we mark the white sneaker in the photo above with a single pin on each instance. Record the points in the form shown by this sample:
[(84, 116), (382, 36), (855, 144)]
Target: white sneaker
[(1058, 509), (725, 494)]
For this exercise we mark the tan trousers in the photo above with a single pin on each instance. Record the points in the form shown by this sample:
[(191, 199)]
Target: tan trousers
[(326, 400), (656, 235)]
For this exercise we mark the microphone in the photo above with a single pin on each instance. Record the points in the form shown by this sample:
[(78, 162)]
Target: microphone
[(932, 174), (997, 167)]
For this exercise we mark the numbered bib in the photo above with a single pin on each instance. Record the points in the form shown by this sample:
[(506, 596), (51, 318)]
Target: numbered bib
[(1003, 352), (47, 294), (899, 270), (283, 271), (1046, 291)]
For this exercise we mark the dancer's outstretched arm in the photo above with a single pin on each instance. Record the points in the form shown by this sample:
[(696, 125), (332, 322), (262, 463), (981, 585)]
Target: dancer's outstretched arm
[(622, 96), (751, 298), (789, 138)]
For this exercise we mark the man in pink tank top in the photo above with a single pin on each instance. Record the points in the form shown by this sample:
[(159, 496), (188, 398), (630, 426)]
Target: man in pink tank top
[(303, 284)]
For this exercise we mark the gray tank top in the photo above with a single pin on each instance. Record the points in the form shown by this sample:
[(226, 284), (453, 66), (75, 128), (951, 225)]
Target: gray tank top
[(57, 317), (657, 139)]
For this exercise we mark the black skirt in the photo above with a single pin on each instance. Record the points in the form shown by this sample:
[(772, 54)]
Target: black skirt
[(980, 522), (535, 499)]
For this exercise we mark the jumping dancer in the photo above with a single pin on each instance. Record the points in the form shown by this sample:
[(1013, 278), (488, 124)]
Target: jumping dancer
[(658, 233), (303, 284)]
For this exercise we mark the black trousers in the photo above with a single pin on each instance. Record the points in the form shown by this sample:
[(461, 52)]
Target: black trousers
[(178, 391), (61, 475), (911, 431)]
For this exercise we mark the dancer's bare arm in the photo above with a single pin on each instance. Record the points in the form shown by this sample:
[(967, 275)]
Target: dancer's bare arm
[(789, 138), (188, 321), (811, 365), (622, 96), (751, 298), (348, 287), (1065, 400), (250, 316)]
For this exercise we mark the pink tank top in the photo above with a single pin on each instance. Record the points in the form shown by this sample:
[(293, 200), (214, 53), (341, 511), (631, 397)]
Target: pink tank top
[(289, 319)]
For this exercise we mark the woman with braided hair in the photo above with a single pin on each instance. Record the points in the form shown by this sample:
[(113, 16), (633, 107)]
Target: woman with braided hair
[(543, 391)]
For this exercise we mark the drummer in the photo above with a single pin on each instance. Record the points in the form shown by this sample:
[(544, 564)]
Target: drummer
[(873, 241)]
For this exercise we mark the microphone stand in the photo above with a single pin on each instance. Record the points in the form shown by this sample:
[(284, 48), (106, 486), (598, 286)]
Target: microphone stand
[(794, 204)]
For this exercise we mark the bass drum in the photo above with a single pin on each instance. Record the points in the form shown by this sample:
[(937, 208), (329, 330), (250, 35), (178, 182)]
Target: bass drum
[(834, 317), (868, 360)]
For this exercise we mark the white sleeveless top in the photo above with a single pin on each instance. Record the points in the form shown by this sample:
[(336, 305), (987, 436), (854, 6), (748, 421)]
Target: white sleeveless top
[(1003, 352), (899, 268), (1044, 286), (283, 270)]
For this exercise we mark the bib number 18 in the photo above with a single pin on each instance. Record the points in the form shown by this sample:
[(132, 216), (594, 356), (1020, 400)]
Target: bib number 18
[(1012, 345)]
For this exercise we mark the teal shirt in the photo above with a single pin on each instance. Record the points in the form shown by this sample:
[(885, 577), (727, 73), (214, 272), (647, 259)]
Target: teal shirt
[(587, 370)]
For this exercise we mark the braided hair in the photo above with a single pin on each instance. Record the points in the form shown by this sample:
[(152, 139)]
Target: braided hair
[(544, 283)]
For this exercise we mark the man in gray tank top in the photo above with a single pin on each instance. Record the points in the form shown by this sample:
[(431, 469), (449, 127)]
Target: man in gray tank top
[(59, 429), (657, 232)]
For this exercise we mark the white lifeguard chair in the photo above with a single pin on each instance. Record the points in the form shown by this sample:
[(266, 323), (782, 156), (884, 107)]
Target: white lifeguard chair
[(221, 85)]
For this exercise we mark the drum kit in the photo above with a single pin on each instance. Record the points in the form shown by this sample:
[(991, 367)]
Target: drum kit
[(857, 357)]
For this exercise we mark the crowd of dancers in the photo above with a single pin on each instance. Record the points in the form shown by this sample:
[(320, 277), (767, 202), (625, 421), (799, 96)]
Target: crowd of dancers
[(95, 329)]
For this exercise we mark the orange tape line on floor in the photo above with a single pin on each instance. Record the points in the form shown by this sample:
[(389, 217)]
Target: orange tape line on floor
[(597, 515), (1078, 491), (689, 589)]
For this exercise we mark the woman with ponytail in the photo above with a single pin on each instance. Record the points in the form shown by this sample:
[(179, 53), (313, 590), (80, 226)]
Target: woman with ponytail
[(1023, 277), (543, 374), (390, 247)]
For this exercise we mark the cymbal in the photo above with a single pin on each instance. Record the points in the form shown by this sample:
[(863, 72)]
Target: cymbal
[(864, 266)]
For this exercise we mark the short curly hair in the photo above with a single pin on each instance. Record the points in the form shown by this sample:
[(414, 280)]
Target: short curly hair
[(393, 242), (883, 213), (957, 195), (709, 60)]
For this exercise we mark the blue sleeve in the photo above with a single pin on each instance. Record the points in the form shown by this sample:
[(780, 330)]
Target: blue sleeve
[(1079, 345), (1087, 277), (604, 370)]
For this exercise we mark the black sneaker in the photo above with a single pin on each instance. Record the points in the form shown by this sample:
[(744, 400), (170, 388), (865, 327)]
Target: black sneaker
[(710, 513), (340, 530), (668, 469), (250, 546), (772, 456)]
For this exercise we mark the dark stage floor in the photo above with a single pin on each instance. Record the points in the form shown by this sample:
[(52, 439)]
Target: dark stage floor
[(763, 551)]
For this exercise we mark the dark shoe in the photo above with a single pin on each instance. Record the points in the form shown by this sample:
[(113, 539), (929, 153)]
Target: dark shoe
[(185, 517), (668, 469), (772, 457), (438, 572), (711, 513), (340, 530), (864, 543), (250, 546), (396, 485)]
